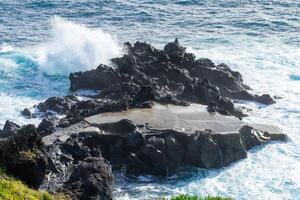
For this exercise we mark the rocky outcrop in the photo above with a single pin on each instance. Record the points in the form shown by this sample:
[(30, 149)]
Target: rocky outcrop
[(167, 76), (79, 161), (60, 167), (76, 155), (21, 155), (139, 149), (92, 179), (145, 75), (58, 104)]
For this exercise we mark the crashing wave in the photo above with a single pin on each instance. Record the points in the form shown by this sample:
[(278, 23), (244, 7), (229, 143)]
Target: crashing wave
[(75, 47)]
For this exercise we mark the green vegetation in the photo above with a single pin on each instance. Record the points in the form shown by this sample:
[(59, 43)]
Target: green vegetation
[(12, 189), (28, 154), (189, 197)]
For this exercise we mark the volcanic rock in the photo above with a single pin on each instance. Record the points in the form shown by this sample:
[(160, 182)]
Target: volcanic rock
[(169, 76), (21, 156)]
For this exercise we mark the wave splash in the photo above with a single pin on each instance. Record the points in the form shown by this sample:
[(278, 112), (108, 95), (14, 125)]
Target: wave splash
[(75, 47)]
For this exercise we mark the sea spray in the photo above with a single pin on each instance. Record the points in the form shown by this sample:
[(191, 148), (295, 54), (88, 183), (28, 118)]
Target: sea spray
[(38, 71), (10, 108), (75, 47)]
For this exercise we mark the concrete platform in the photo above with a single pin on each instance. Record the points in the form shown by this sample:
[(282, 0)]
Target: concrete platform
[(185, 119)]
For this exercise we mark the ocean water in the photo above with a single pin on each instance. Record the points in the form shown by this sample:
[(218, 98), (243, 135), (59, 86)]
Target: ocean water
[(41, 42)]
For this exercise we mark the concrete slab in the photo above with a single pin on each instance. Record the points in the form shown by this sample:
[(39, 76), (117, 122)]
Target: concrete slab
[(187, 119)]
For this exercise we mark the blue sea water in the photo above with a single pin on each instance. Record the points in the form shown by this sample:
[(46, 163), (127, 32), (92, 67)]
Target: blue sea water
[(41, 42)]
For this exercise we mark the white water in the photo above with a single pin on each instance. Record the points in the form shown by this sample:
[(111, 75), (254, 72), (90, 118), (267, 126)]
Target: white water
[(71, 47), (74, 47), (11, 106)]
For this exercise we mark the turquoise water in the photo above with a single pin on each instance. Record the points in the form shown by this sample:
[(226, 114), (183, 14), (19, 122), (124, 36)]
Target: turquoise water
[(41, 42)]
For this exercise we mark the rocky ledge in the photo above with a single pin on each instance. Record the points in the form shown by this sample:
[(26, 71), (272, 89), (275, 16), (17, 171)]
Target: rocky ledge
[(157, 110)]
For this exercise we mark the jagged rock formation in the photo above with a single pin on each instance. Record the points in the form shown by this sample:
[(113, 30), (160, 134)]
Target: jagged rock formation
[(59, 167), (76, 155), (145, 75), (169, 76)]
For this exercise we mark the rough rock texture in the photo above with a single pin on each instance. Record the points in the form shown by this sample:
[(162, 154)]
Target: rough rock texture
[(167, 76), (20, 154), (252, 137), (139, 150), (77, 170), (9, 129), (58, 104), (91, 179), (66, 167), (145, 75), (27, 113)]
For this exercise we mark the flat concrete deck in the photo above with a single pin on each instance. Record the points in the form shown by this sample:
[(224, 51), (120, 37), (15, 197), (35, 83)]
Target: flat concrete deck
[(186, 119)]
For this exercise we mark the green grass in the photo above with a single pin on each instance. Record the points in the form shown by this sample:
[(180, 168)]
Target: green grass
[(12, 189), (189, 197)]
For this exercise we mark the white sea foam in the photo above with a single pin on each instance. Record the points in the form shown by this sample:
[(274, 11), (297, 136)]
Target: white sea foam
[(11, 106), (75, 47), (7, 64), (5, 48)]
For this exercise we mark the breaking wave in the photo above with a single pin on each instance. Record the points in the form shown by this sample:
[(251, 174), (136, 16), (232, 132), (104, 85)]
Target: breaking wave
[(75, 47)]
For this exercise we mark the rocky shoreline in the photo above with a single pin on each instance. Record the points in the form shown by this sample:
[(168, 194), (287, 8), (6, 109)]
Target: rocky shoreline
[(145, 119)]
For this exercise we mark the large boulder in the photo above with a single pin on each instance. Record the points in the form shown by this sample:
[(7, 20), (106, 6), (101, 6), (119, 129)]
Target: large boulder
[(252, 137), (202, 151), (9, 129), (97, 79), (175, 150), (27, 113), (91, 179), (58, 104), (231, 147)]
